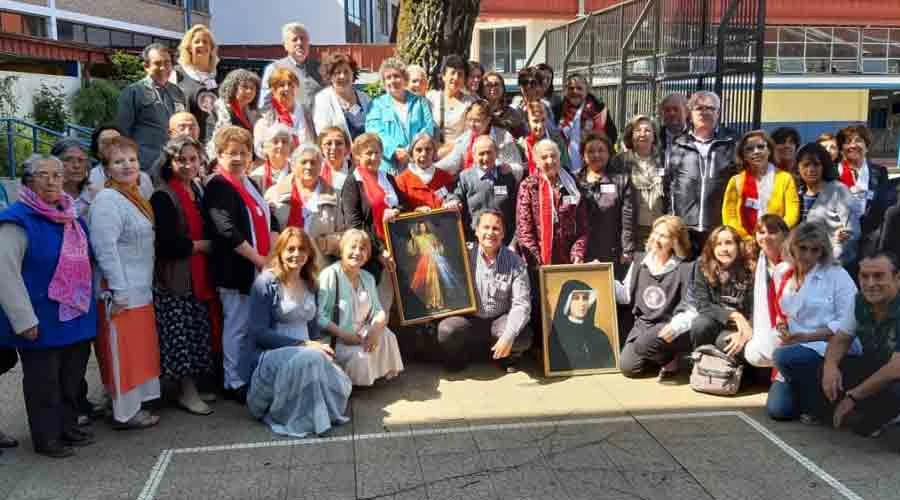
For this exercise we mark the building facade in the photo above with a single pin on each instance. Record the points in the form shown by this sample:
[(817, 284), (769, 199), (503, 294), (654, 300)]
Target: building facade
[(331, 22)]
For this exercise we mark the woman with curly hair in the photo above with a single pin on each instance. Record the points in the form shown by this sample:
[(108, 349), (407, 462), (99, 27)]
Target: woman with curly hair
[(236, 104)]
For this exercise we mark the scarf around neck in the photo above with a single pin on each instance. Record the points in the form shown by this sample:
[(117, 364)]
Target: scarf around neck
[(200, 282), (258, 213), (71, 284), (238, 113), (295, 217), (132, 193), (548, 208)]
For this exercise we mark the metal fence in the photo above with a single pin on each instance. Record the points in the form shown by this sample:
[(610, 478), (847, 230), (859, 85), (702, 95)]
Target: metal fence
[(638, 51)]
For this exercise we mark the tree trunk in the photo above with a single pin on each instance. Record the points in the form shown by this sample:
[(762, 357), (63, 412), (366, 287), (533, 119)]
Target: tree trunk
[(429, 30)]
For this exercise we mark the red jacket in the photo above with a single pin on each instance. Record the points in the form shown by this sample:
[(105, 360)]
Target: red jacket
[(570, 232), (418, 194)]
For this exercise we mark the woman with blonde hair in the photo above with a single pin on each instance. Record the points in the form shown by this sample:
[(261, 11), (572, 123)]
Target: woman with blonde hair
[(195, 74), (295, 386), (350, 311), (656, 284)]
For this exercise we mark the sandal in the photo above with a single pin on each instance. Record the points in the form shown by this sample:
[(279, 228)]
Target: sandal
[(142, 420), (196, 407)]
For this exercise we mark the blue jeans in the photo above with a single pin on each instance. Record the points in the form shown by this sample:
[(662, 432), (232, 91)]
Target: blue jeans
[(800, 368)]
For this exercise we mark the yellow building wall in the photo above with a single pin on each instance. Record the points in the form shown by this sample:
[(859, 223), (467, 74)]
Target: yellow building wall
[(815, 105)]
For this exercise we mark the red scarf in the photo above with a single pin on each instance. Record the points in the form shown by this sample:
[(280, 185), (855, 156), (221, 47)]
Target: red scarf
[(750, 191), (257, 215), (530, 141), (568, 114), (774, 308), (376, 197), (267, 176), (546, 206), (775, 311), (847, 176), (282, 114), (470, 154), (295, 218), (203, 289), (239, 114), (327, 173)]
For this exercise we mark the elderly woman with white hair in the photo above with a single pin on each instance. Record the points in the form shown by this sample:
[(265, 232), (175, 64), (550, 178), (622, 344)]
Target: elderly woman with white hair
[(552, 221), (274, 145), (47, 311), (397, 116), (304, 200)]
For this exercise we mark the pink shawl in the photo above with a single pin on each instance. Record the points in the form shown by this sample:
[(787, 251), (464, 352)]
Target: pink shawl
[(71, 283)]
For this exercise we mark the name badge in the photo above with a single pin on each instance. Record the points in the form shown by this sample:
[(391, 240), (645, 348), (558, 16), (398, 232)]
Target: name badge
[(442, 193), (500, 191), (607, 188), (660, 172), (752, 203), (568, 200)]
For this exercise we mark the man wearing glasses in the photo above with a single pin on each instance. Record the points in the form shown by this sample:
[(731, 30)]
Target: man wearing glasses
[(700, 164)]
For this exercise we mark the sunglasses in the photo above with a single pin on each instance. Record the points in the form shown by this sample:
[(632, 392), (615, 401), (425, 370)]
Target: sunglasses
[(750, 148)]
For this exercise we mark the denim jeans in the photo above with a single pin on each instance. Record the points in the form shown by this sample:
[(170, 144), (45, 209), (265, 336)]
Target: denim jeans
[(780, 403), (799, 366)]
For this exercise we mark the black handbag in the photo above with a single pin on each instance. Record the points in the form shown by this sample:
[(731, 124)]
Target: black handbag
[(8, 359)]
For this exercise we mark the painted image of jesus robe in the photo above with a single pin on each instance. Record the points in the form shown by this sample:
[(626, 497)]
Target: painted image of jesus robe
[(432, 272)]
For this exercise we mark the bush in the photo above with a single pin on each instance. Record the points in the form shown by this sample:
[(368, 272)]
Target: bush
[(126, 68), (50, 107), (95, 103), (374, 89)]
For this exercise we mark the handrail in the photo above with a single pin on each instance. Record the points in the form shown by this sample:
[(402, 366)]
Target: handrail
[(571, 48), (11, 129)]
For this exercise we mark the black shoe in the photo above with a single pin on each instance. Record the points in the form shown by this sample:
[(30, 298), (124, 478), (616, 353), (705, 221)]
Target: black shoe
[(7, 441), (55, 449), (238, 395), (81, 432), (77, 439)]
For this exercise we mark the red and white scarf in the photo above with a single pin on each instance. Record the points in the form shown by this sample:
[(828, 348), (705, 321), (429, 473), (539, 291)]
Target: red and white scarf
[(258, 213)]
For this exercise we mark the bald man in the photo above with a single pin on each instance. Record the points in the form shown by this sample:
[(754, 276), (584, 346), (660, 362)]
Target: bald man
[(486, 185)]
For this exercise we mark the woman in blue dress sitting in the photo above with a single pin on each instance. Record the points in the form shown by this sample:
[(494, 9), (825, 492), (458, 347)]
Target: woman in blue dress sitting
[(295, 386)]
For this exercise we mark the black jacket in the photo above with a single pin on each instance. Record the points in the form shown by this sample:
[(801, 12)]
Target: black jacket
[(612, 214), (358, 214), (696, 185), (884, 196), (226, 215)]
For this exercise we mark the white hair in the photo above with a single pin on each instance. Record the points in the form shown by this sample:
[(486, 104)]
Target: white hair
[(292, 28), (415, 68), (393, 63), (547, 143), (30, 166), (307, 147), (704, 94), (271, 133)]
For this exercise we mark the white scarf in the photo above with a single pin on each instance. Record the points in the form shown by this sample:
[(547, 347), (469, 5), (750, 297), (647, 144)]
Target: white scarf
[(207, 78), (390, 196), (765, 187), (424, 175)]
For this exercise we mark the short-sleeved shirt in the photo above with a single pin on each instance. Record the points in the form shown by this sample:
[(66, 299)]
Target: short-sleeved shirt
[(878, 338)]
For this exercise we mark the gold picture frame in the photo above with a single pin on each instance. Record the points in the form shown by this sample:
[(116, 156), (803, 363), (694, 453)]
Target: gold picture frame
[(583, 337), (432, 278)]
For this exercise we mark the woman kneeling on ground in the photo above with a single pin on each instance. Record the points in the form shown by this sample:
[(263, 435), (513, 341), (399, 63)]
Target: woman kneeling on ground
[(295, 386)]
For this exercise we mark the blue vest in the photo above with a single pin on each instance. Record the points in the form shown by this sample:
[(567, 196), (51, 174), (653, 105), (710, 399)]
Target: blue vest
[(38, 266)]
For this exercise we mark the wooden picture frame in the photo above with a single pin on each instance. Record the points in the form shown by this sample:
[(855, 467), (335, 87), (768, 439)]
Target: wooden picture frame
[(433, 278), (591, 345)]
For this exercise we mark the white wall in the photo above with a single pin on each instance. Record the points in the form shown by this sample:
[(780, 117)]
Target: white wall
[(258, 22), (28, 84)]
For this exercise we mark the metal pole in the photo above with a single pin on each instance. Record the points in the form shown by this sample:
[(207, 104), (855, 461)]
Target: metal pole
[(657, 43), (623, 69), (758, 84), (188, 7)]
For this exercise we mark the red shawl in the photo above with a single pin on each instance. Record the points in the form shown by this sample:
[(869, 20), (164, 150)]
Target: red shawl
[(775, 311), (282, 114), (470, 154), (327, 173), (376, 197), (847, 176), (546, 207), (750, 191), (530, 141), (203, 289), (295, 218), (239, 114), (258, 215)]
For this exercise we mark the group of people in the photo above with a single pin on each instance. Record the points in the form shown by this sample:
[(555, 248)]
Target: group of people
[(236, 227)]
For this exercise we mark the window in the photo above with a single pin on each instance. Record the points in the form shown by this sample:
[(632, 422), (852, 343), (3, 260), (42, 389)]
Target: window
[(104, 37), (23, 24), (502, 49), (832, 49), (383, 17), (355, 15), (196, 5), (98, 36), (121, 39)]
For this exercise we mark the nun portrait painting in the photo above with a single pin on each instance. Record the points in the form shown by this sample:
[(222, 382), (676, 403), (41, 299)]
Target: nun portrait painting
[(575, 342)]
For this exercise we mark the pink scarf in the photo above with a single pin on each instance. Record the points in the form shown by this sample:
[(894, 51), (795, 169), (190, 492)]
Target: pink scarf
[(71, 285)]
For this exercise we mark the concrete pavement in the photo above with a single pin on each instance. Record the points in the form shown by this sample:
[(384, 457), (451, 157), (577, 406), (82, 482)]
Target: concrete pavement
[(479, 434)]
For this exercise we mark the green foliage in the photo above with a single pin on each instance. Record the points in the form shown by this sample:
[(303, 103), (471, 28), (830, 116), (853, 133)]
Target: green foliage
[(50, 107), (126, 68), (374, 89), (9, 106), (95, 103), (22, 148)]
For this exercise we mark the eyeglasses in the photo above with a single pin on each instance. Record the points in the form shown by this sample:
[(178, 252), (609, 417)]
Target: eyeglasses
[(48, 176), (750, 148)]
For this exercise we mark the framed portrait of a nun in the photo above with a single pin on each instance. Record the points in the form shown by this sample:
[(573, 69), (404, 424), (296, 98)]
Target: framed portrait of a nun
[(580, 329)]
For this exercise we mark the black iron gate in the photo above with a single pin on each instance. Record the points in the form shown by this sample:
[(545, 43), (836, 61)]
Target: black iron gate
[(638, 51)]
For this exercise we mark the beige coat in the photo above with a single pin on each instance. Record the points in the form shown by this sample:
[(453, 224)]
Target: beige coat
[(323, 221)]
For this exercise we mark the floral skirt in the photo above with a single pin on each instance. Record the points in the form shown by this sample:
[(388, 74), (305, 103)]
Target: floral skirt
[(183, 324)]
